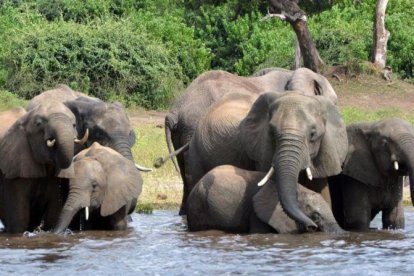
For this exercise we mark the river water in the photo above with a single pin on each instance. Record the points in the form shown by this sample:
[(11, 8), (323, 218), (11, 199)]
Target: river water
[(159, 244)]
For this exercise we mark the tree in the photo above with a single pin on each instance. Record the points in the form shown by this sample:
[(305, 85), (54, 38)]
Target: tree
[(289, 10), (381, 35)]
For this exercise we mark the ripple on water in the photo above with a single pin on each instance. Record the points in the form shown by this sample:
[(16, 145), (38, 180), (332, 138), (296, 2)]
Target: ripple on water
[(160, 244)]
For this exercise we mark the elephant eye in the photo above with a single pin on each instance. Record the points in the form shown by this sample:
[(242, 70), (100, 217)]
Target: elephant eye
[(313, 134), (384, 142)]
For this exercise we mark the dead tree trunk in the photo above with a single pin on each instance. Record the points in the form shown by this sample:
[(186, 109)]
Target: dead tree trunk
[(381, 35), (298, 56), (290, 11)]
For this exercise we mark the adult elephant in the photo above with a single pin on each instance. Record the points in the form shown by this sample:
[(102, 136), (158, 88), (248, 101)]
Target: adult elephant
[(33, 152), (379, 154), (9, 117), (281, 133), (228, 198), (107, 183), (208, 88)]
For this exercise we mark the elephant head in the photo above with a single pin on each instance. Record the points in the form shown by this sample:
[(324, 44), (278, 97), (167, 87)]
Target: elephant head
[(311, 83), (103, 179), (108, 124), (40, 140), (289, 133), (379, 150)]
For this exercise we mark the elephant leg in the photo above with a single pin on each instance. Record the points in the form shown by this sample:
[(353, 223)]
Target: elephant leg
[(56, 194), (393, 218), (357, 206), (17, 194), (118, 221), (336, 195)]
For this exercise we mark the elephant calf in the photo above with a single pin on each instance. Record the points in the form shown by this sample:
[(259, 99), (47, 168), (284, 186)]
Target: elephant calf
[(379, 154), (228, 198), (106, 182)]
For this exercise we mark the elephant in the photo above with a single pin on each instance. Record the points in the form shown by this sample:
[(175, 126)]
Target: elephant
[(107, 183), (209, 87), (379, 154), (228, 198), (34, 151), (61, 93), (9, 117), (290, 135)]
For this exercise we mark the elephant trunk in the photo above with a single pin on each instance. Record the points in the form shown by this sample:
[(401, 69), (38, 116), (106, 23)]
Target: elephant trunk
[(64, 137), (288, 161), (121, 144), (72, 205), (407, 146)]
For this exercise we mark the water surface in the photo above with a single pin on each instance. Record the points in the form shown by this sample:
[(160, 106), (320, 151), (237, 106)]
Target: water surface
[(160, 244)]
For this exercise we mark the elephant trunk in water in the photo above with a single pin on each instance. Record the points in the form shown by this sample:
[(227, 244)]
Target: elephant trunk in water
[(64, 136), (72, 206), (289, 158)]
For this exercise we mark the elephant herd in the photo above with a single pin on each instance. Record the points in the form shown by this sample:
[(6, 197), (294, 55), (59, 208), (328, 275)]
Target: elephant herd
[(64, 153), (271, 153), (258, 154)]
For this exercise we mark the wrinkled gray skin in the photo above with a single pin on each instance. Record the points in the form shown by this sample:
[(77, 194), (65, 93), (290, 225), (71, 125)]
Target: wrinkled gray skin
[(108, 124), (61, 93), (29, 188), (289, 132), (9, 117), (369, 182), (227, 198), (107, 183), (208, 88)]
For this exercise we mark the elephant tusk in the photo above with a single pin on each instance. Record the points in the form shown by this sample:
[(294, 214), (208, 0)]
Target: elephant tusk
[(51, 143), (309, 173), (267, 177), (396, 167), (84, 138), (86, 213), (142, 168)]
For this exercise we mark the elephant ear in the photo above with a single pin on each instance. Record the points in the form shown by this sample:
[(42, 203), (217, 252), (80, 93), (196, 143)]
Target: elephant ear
[(16, 155), (124, 184), (334, 144), (254, 130), (360, 163)]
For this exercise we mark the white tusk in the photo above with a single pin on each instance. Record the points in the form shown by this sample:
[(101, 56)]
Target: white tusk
[(86, 212), (309, 173), (143, 169), (396, 167), (51, 143), (266, 178), (84, 138)]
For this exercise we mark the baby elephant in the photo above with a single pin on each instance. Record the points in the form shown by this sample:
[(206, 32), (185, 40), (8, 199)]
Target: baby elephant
[(107, 183), (228, 198)]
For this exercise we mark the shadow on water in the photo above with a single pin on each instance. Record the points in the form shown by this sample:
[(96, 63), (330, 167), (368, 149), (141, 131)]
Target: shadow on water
[(160, 244)]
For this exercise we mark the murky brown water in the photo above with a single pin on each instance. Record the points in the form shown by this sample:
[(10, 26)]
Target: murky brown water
[(159, 244)]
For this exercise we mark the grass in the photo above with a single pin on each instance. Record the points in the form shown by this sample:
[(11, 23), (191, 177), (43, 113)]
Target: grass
[(352, 114), (9, 100), (162, 188)]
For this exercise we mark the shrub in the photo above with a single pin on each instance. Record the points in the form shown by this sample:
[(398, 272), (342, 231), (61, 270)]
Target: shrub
[(108, 59)]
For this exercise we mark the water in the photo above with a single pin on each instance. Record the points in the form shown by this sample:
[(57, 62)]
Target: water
[(159, 244)]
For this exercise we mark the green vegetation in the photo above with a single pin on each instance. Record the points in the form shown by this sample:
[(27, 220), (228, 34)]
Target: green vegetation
[(9, 100), (143, 53)]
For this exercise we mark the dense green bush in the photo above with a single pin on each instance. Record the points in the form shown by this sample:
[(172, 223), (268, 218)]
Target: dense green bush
[(110, 59)]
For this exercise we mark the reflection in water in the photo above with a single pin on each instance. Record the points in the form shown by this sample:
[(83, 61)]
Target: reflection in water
[(159, 243)]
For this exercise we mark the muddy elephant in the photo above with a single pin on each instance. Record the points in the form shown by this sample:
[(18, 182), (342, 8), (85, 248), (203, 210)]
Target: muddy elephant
[(9, 117), (208, 88), (228, 198), (32, 154), (290, 135), (61, 93), (107, 184), (379, 154)]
